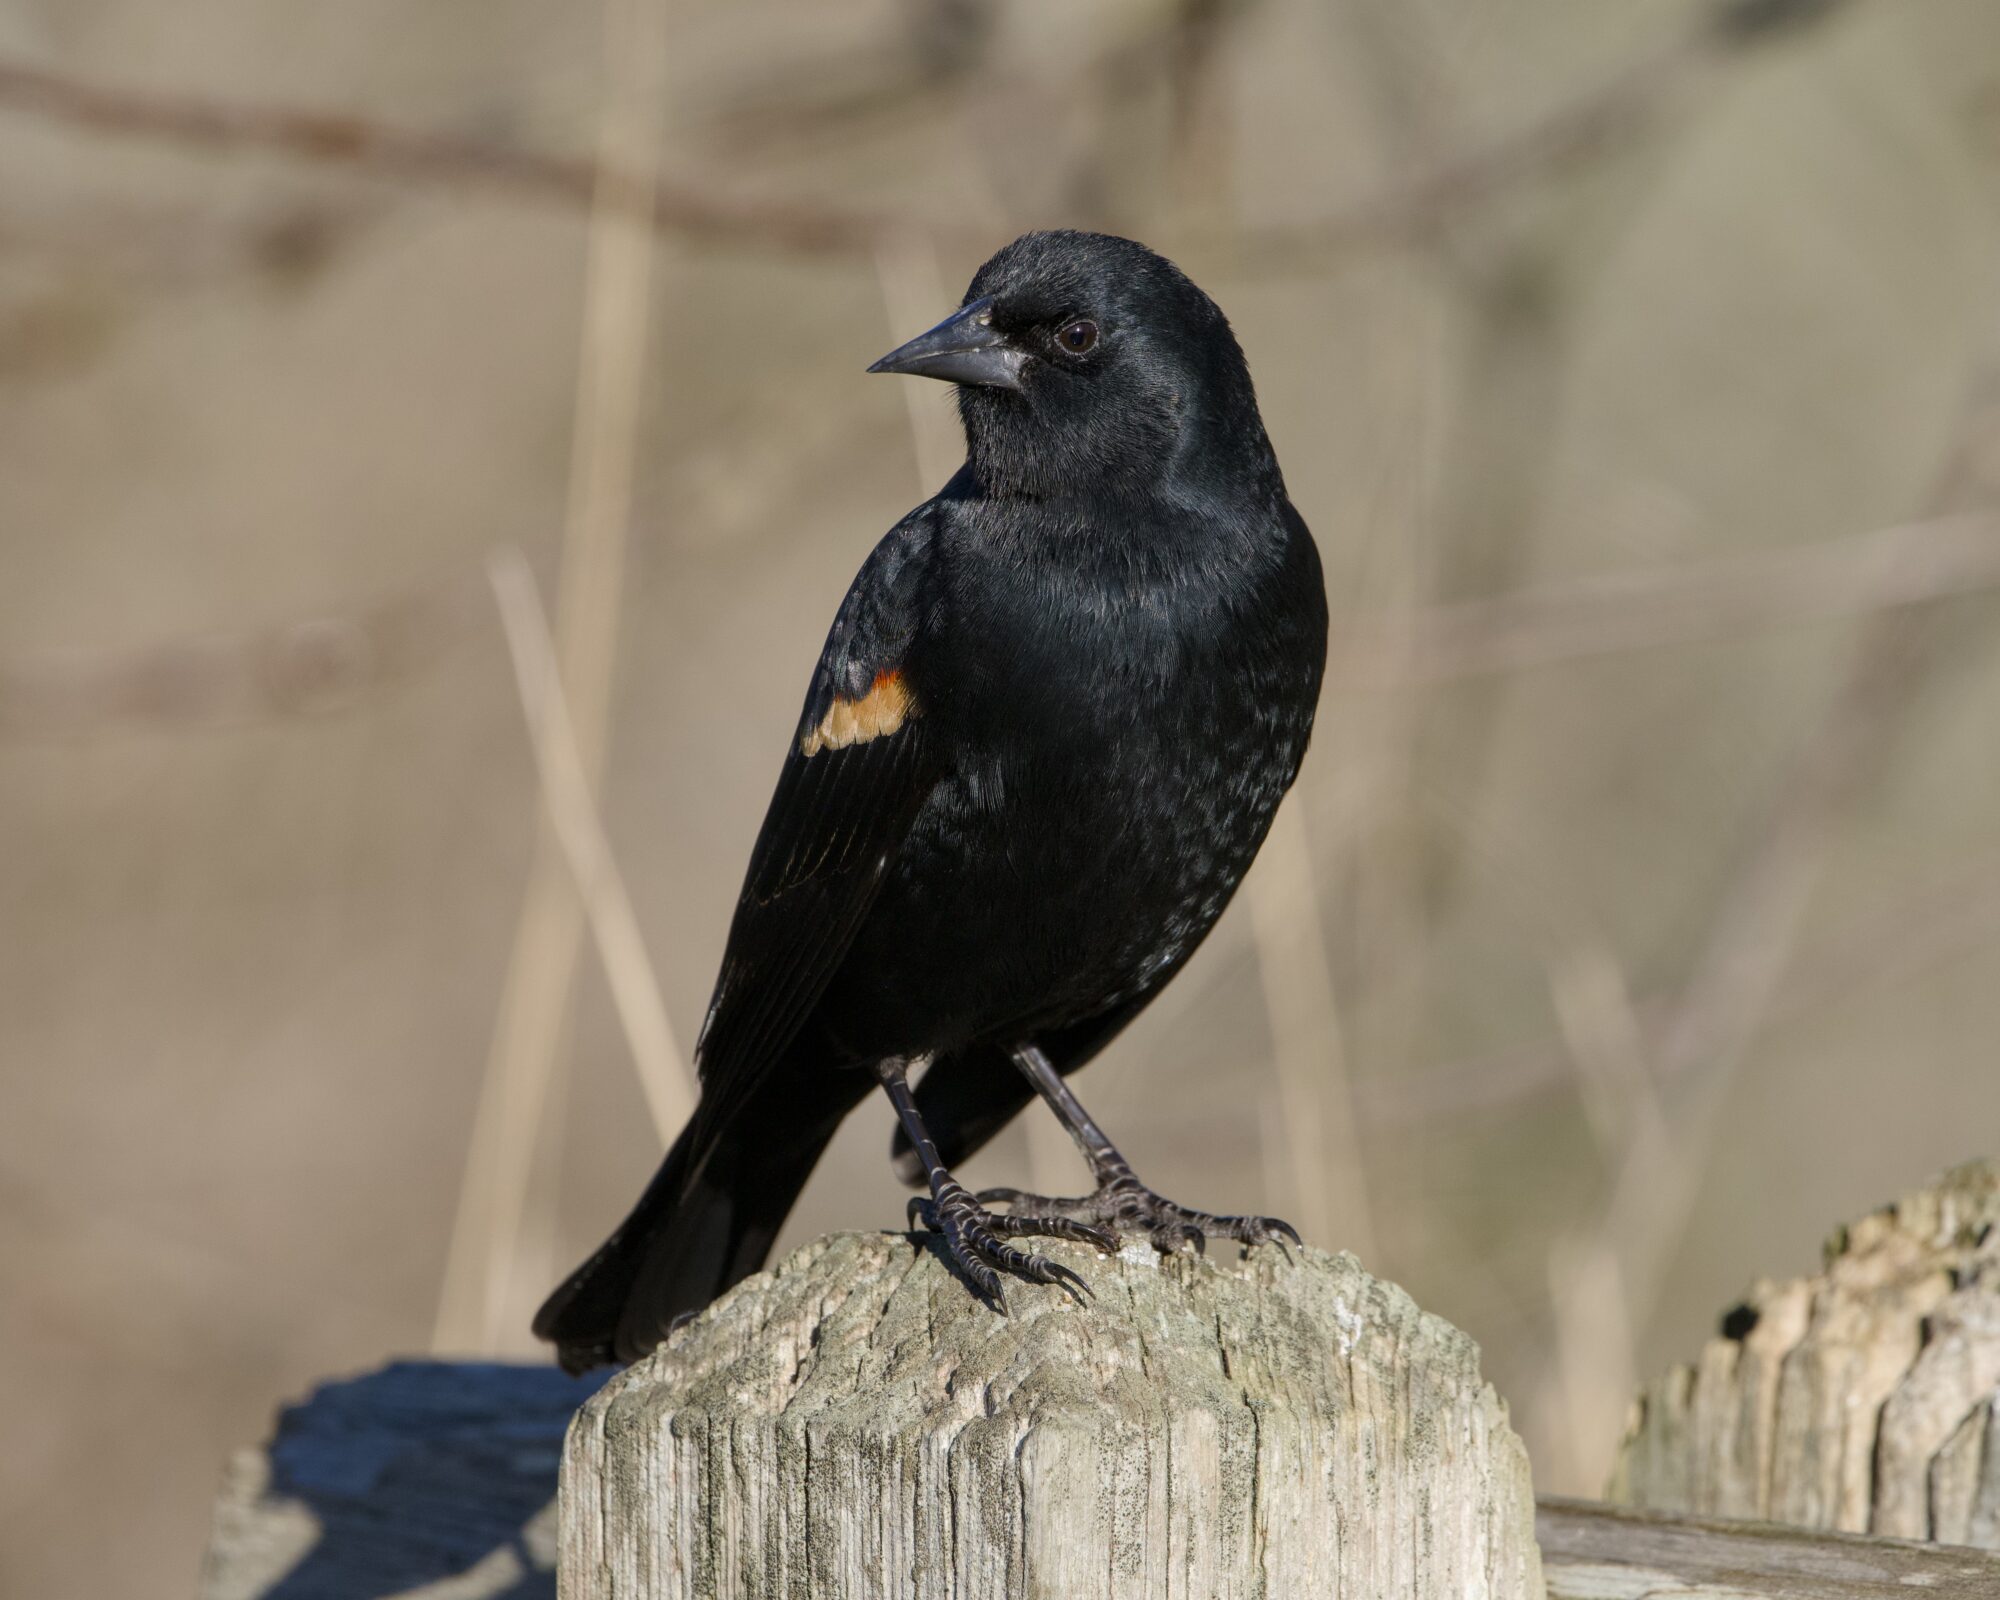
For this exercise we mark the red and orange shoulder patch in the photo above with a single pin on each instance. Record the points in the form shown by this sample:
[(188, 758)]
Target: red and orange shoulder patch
[(886, 706)]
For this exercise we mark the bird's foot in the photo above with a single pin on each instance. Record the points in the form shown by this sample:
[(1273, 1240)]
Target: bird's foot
[(977, 1240), (1125, 1205)]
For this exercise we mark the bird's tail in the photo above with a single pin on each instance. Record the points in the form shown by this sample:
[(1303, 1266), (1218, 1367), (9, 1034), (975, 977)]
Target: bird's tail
[(706, 1221)]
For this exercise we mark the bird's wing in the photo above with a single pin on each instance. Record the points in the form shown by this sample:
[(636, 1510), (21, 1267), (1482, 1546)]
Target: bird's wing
[(857, 772)]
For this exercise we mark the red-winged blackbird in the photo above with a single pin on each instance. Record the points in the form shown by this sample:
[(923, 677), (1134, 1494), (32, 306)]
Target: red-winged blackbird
[(1047, 734)]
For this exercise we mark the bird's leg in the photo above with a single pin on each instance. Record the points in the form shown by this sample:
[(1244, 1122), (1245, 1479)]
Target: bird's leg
[(975, 1236), (1120, 1202)]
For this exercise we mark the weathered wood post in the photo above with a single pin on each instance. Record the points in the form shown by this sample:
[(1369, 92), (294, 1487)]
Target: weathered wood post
[(854, 1424), (1865, 1399)]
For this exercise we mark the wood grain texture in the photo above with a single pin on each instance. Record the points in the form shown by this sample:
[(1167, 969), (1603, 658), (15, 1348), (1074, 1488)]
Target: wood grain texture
[(1865, 1399), (437, 1481), (855, 1423), (1595, 1552)]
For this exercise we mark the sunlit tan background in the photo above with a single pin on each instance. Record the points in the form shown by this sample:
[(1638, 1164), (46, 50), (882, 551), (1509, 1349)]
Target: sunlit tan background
[(1637, 916)]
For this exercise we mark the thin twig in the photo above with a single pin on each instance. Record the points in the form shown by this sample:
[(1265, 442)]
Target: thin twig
[(1593, 1364), (1658, 1159), (1943, 924), (1648, 607), (914, 296), (1200, 157), (1322, 1139), (1740, 967), (1329, 846), (635, 991)]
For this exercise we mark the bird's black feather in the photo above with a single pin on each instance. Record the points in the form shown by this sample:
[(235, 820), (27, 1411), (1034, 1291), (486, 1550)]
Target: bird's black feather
[(837, 818), (833, 825), (1048, 732)]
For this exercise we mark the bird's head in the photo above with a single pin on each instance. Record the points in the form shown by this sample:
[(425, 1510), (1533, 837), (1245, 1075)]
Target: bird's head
[(1087, 365)]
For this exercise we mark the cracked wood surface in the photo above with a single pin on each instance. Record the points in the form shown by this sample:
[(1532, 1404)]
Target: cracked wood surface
[(1865, 1399), (437, 1480), (854, 1423)]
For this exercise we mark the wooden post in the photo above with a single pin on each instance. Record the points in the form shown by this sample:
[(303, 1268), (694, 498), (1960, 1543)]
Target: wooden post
[(1866, 1399), (435, 1480), (855, 1424)]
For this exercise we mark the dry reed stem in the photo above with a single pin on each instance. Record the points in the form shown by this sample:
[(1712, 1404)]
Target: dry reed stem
[(1363, 767), (914, 297), (1605, 1039), (1391, 654), (1593, 1365), (1366, 758), (1308, 1050), (664, 1076), (1388, 923), (1752, 939), (1928, 930), (1657, 1160), (1200, 157), (1649, 607), (610, 390), (1607, 1276)]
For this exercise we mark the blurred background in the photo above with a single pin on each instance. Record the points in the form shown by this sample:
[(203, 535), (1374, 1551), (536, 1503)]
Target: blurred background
[(367, 370)]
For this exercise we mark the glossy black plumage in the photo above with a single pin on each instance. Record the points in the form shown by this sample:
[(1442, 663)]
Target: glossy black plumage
[(1046, 737)]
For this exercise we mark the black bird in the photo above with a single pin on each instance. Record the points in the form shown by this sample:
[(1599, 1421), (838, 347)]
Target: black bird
[(1047, 734)]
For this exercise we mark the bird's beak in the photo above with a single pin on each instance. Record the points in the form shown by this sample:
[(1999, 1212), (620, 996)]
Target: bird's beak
[(964, 348)]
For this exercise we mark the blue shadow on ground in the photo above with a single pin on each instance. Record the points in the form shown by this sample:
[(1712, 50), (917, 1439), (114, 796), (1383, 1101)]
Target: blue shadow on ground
[(420, 1472)]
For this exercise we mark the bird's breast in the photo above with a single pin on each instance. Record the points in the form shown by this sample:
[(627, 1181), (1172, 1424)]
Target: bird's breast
[(1115, 732), (1097, 814)]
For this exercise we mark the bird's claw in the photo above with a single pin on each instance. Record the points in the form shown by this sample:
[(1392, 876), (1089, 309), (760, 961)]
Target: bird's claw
[(976, 1240), (1122, 1204)]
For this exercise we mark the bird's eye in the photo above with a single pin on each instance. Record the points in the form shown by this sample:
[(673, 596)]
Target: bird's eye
[(1078, 337)]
